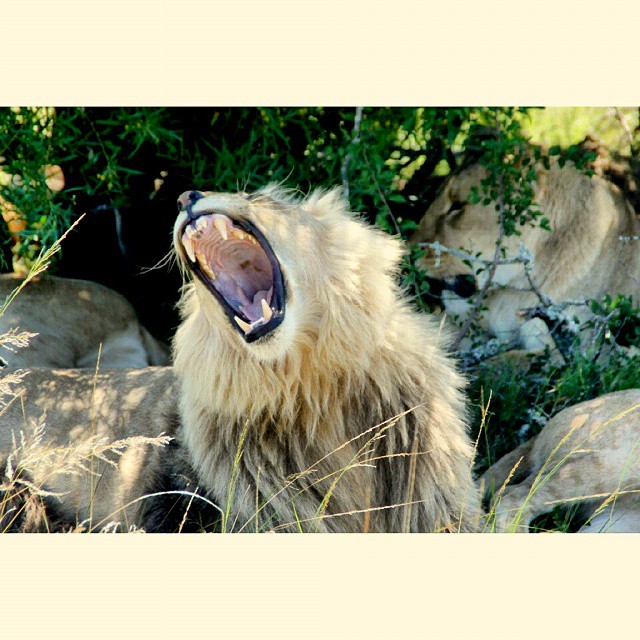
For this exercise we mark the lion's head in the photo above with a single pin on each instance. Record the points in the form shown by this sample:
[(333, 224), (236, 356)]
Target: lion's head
[(273, 275), (473, 228)]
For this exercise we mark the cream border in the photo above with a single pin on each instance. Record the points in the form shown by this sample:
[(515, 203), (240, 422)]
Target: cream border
[(286, 53)]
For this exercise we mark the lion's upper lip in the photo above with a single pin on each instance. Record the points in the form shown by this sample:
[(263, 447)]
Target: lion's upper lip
[(236, 263)]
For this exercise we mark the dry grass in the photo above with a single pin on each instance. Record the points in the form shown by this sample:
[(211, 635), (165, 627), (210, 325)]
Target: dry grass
[(22, 502)]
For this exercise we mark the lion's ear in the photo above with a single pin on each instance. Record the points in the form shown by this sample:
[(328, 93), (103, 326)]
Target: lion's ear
[(381, 252), (389, 252)]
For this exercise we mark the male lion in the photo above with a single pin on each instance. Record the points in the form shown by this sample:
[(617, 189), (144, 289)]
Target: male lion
[(593, 248), (312, 397), (71, 319)]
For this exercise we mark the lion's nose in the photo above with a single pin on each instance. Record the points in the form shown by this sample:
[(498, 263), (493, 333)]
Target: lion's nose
[(186, 200)]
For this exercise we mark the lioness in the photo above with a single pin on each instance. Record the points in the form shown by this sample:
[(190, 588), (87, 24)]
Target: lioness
[(72, 318), (593, 248), (311, 396), (588, 454)]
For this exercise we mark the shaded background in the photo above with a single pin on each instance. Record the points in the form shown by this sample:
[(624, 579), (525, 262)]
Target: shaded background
[(125, 167)]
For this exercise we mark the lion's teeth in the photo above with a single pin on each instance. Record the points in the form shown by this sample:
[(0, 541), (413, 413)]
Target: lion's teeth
[(201, 223), (241, 235), (242, 324), (188, 247), (205, 267), (266, 310), (221, 227)]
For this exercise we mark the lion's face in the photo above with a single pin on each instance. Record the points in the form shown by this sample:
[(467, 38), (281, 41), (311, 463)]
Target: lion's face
[(454, 222), (272, 274)]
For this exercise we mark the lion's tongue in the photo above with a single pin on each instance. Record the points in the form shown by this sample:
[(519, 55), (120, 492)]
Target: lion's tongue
[(239, 294), (254, 309)]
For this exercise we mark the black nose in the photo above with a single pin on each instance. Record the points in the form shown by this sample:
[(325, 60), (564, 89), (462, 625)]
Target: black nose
[(464, 286), (186, 200), (436, 287)]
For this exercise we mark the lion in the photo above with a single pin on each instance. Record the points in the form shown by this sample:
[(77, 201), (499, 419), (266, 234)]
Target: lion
[(74, 321), (309, 395), (586, 455), (592, 249), (79, 448)]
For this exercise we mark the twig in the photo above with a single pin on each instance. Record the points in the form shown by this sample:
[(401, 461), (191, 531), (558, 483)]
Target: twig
[(619, 116), (470, 319), (355, 139), (459, 253), (380, 194)]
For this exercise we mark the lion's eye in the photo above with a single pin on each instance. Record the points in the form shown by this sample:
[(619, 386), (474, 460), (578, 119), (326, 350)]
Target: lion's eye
[(456, 208)]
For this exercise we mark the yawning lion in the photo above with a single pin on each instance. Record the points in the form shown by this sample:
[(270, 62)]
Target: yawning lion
[(311, 396)]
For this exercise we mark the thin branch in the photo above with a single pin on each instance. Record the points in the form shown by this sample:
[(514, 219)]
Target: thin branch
[(380, 193), (619, 116), (479, 298), (439, 248), (355, 139)]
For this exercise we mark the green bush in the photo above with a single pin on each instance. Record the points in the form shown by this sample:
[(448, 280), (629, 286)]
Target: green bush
[(390, 161)]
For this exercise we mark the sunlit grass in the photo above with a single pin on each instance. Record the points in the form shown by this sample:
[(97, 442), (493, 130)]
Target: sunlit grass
[(565, 126)]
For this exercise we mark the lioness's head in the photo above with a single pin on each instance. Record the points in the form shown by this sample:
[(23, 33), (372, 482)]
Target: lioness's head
[(457, 224), (273, 274)]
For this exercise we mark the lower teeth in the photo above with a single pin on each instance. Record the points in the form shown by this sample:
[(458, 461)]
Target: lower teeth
[(243, 325), (248, 327)]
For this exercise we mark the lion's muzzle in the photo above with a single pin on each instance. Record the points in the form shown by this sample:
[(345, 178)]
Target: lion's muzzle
[(236, 263)]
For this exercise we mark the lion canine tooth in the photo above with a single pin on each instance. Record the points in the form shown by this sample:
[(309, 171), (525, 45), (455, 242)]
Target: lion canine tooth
[(188, 247), (242, 324), (266, 310), (221, 227)]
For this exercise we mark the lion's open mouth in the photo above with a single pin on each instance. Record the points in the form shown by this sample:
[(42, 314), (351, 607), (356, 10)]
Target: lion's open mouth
[(234, 260)]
